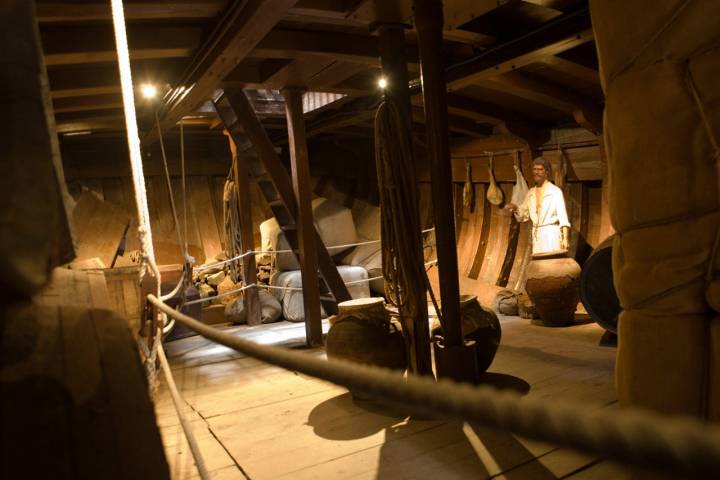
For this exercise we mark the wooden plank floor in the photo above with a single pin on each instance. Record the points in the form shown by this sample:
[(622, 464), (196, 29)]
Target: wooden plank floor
[(255, 421)]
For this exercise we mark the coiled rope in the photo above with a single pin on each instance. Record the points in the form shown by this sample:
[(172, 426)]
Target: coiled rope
[(406, 280), (635, 437)]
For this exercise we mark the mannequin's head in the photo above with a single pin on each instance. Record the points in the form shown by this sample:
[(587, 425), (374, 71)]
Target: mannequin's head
[(541, 170)]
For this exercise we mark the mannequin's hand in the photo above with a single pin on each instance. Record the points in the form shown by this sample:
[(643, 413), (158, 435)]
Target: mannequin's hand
[(564, 238), (511, 207)]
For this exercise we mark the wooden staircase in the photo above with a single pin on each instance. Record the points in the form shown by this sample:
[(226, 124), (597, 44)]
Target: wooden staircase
[(267, 170)]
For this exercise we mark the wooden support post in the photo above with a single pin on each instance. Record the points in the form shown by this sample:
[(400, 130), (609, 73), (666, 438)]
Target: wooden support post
[(394, 67), (241, 174), (455, 359), (429, 23), (305, 228)]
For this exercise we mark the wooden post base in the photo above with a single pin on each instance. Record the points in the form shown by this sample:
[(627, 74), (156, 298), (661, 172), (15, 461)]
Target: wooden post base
[(457, 362)]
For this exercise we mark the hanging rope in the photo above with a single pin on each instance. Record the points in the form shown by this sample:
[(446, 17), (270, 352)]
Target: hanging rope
[(184, 189), (402, 253), (402, 247), (185, 280), (168, 182), (144, 229), (136, 167)]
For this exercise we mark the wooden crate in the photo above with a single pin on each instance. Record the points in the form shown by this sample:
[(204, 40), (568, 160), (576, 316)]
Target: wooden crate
[(123, 286)]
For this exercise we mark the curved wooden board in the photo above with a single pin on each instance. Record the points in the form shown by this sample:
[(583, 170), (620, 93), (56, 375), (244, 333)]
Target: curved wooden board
[(497, 241), (524, 242), (469, 236), (480, 236)]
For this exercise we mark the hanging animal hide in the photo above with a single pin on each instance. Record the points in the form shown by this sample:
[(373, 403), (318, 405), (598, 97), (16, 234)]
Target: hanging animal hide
[(469, 188), (494, 193), (520, 189)]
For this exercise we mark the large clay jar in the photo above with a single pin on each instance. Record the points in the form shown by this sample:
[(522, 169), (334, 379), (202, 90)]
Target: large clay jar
[(481, 325), (362, 332), (553, 284)]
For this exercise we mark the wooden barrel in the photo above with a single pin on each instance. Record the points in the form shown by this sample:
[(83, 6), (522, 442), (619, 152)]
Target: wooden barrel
[(597, 290)]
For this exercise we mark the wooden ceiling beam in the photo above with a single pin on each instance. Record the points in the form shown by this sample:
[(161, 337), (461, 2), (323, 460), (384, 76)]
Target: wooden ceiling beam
[(483, 111), (87, 103), (69, 11), (339, 120), (457, 124), (362, 49), (103, 79), (253, 73), (297, 72), (558, 35), (573, 70), (91, 124), (334, 74), (320, 8), (545, 93), (248, 24), (456, 13), (559, 5), (80, 57), (96, 43)]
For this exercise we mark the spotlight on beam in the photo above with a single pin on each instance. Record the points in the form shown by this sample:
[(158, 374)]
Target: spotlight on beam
[(382, 83), (148, 91)]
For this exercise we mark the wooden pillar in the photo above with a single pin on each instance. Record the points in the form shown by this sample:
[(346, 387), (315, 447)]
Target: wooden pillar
[(394, 67), (305, 227), (429, 23), (454, 358), (241, 175)]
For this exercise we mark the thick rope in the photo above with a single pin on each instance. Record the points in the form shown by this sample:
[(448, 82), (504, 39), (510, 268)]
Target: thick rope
[(632, 436), (178, 402), (144, 229)]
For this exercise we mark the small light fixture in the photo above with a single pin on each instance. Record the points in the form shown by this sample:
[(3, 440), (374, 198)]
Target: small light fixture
[(148, 91), (382, 83)]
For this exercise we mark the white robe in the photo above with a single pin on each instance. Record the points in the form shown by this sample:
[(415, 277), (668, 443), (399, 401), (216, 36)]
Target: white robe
[(546, 223)]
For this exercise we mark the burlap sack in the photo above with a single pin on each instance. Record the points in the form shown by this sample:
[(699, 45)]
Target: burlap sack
[(660, 65)]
